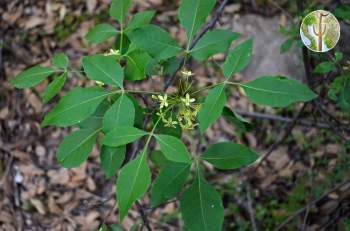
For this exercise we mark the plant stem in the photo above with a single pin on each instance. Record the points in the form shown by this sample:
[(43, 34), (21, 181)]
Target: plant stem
[(121, 37), (142, 92), (207, 87), (150, 136), (214, 85), (208, 27)]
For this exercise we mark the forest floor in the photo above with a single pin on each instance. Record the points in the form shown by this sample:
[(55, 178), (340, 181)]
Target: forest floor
[(302, 178)]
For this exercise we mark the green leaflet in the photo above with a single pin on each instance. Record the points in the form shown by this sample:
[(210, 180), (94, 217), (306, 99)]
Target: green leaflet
[(213, 42), (95, 119), (132, 183), (111, 159), (119, 9), (277, 91), (242, 124), (76, 147), (101, 33), (104, 68), (212, 107), (54, 87), (139, 112), (169, 182), (338, 56), (344, 93), (123, 44), (60, 60), (122, 135), (238, 58), (201, 206), (192, 15), (286, 45), (173, 148), (75, 106), (171, 65), (138, 61), (158, 158), (140, 19), (32, 76), (324, 67), (121, 113), (228, 155), (342, 11), (155, 41)]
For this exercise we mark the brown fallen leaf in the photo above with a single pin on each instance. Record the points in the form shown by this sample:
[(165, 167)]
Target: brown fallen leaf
[(38, 205), (91, 5), (89, 221), (268, 181), (34, 101), (90, 184), (4, 113), (60, 177), (63, 198), (34, 22), (53, 207)]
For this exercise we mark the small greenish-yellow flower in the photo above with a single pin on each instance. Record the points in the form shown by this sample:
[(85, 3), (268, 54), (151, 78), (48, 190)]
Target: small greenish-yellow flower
[(196, 107), (347, 66), (170, 123), (163, 101), (112, 52), (188, 100), (188, 125), (186, 73), (160, 114)]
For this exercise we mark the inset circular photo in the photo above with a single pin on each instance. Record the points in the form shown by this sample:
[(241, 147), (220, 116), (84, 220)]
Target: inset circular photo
[(320, 31)]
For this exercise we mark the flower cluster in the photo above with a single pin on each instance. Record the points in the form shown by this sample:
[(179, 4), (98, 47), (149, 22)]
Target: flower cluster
[(112, 52), (178, 109), (175, 110)]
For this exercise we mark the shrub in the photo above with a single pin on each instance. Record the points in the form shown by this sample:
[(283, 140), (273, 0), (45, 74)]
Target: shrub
[(110, 115)]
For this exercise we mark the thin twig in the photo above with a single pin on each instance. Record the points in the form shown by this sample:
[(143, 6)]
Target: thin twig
[(306, 217), (309, 205), (142, 212), (329, 117), (250, 209), (285, 12), (108, 214), (301, 122), (307, 67), (208, 27), (288, 128), (165, 203), (2, 69)]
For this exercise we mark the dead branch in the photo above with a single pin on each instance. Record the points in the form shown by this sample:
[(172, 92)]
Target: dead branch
[(288, 128), (309, 205)]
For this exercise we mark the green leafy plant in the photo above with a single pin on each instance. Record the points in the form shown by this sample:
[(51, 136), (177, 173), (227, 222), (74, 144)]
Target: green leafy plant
[(108, 114)]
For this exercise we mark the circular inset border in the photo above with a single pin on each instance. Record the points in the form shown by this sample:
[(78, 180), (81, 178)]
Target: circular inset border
[(320, 31)]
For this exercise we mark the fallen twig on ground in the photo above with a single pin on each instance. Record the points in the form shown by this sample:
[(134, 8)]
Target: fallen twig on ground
[(250, 209), (310, 204), (288, 128), (301, 122)]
